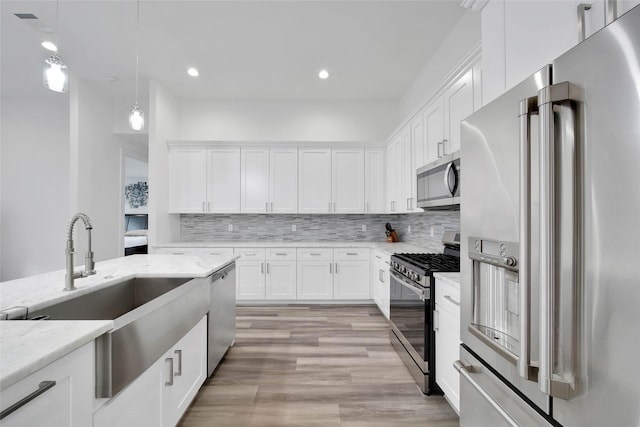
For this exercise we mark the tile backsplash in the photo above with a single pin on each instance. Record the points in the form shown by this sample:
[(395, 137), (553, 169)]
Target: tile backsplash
[(274, 227)]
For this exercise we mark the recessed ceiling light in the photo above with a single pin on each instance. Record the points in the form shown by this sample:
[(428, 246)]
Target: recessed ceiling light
[(193, 72), (323, 74), (49, 46)]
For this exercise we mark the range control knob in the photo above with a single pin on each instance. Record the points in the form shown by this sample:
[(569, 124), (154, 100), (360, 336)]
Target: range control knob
[(510, 261)]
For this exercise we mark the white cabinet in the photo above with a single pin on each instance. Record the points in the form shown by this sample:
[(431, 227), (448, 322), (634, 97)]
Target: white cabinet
[(204, 180), (281, 274), (433, 116), (393, 181), (315, 274), (314, 181), (250, 274), (185, 369), (458, 104), (269, 178), (188, 180), (351, 274), (347, 183), (266, 274), (139, 404), (380, 279), (67, 387), (331, 181), (447, 328), (374, 180)]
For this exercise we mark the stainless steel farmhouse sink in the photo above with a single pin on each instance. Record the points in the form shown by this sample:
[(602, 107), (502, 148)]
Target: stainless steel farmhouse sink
[(150, 315)]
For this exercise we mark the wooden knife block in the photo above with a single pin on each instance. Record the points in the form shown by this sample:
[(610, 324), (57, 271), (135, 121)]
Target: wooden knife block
[(393, 237)]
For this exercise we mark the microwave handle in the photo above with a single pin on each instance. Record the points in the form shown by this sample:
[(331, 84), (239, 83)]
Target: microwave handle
[(446, 178)]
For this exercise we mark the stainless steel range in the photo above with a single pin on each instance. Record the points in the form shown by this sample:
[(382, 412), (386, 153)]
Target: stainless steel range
[(412, 303)]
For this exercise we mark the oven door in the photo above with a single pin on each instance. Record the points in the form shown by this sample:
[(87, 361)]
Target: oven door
[(409, 309)]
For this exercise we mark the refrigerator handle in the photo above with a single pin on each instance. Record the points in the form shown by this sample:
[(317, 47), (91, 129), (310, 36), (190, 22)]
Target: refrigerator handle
[(582, 27), (610, 11), (528, 108), (559, 245)]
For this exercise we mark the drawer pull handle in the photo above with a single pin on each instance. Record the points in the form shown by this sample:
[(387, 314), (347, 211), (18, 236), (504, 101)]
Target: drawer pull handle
[(448, 298), (281, 253), (170, 382), (352, 253), (179, 354), (313, 254), (250, 254), (42, 387)]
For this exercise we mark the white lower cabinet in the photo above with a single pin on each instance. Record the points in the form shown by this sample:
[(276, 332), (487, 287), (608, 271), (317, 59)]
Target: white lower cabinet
[(447, 327), (68, 402), (250, 274), (380, 279), (266, 274), (184, 371), (161, 395), (280, 281), (315, 274), (351, 274)]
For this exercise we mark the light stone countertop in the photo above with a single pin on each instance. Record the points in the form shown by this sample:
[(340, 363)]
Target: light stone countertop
[(26, 346), (389, 248), (451, 278)]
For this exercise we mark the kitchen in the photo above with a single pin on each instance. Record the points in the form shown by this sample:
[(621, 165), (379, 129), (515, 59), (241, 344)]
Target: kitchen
[(98, 134)]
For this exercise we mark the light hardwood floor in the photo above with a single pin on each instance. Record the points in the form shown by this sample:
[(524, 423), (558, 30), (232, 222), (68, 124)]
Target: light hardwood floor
[(314, 366)]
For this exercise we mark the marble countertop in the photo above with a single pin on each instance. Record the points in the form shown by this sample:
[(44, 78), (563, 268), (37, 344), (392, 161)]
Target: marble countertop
[(26, 346), (389, 248)]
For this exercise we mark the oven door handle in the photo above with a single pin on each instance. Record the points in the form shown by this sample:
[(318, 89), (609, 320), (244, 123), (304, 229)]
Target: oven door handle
[(422, 293)]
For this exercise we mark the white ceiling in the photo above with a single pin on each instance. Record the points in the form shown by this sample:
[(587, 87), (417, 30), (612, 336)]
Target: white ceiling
[(243, 49)]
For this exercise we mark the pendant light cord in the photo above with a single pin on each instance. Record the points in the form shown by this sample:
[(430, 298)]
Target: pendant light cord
[(137, 47)]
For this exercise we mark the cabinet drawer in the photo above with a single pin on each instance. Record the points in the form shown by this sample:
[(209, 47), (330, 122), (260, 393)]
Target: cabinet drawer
[(318, 254), (176, 251), (275, 254), (351, 254), (215, 251), (247, 254), (448, 297)]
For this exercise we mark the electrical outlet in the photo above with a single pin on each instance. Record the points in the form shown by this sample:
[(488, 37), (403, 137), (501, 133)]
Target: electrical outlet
[(293, 227), (364, 228), (230, 227), (433, 232), (408, 229)]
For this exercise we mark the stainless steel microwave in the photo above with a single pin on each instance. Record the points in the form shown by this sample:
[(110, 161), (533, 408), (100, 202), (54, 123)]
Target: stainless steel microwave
[(439, 183)]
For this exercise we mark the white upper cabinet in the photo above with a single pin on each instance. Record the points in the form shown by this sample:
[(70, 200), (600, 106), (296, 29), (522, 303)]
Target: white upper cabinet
[(433, 130), (223, 180), (374, 175), (188, 183), (254, 181), (419, 141), (204, 181), (283, 180), (458, 104), (314, 180), (347, 181), (393, 183), (269, 179)]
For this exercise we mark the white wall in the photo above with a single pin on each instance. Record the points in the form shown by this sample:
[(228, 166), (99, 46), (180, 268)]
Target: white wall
[(96, 174), (463, 39), (286, 120), (163, 125), (35, 184)]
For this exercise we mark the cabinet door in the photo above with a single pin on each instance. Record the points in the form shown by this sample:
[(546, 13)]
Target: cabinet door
[(374, 180), (250, 278), (315, 280), (139, 404), (283, 188), (281, 280), (187, 180), (254, 181), (418, 141), (314, 181), (447, 352), (348, 181), (408, 173), (458, 104), (67, 403), (189, 363), (434, 130), (223, 180), (392, 184), (351, 280)]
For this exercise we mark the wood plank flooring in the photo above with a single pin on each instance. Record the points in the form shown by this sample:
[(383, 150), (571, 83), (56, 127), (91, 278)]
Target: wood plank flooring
[(314, 365)]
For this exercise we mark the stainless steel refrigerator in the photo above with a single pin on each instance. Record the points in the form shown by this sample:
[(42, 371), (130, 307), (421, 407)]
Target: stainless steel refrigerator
[(550, 248)]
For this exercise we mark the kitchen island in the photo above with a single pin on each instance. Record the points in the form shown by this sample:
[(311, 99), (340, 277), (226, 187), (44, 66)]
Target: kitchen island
[(27, 347)]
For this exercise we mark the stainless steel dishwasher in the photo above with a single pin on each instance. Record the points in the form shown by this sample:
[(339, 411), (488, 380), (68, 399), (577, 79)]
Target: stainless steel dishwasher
[(222, 315)]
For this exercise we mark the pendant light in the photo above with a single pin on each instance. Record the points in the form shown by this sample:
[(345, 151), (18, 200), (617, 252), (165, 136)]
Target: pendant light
[(136, 117), (55, 75)]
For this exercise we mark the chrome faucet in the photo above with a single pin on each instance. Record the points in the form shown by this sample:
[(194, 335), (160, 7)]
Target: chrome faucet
[(89, 264)]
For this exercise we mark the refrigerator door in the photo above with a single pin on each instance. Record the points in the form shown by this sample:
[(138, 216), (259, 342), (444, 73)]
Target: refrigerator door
[(489, 211), (605, 71)]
